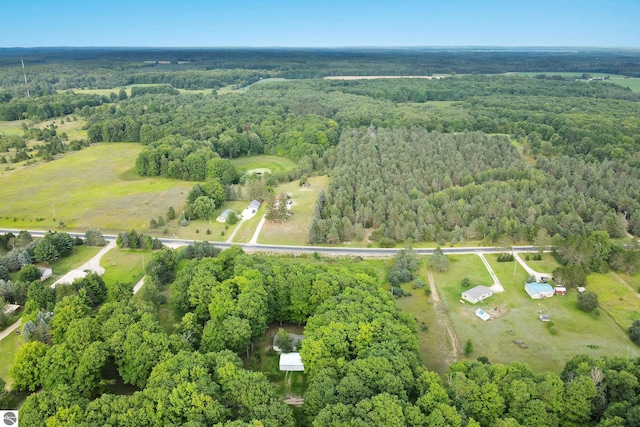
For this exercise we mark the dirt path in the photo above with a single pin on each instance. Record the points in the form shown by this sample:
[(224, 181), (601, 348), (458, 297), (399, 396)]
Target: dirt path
[(444, 321), (528, 269), (254, 239), (235, 231), (497, 286)]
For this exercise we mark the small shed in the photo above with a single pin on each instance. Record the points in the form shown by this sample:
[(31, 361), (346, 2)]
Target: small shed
[(10, 309), (538, 290), (224, 215), (477, 294), (45, 273), (560, 290), (545, 318), (483, 314), (291, 362)]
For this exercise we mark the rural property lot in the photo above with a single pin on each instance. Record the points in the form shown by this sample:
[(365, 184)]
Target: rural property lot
[(515, 332)]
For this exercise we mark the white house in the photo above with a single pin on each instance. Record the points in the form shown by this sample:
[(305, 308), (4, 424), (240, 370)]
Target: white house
[(224, 215), (291, 362), (477, 294), (251, 210)]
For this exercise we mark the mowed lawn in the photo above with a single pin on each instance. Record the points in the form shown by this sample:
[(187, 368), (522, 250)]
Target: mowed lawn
[(124, 266), (93, 188), (8, 348), (618, 295), (295, 231), (515, 325), (272, 163)]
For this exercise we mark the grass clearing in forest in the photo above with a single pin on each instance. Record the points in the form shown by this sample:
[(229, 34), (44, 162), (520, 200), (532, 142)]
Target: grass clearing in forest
[(295, 231), (92, 188), (78, 256), (124, 266), (272, 163)]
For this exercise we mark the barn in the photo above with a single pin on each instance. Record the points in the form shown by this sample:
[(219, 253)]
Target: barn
[(477, 294)]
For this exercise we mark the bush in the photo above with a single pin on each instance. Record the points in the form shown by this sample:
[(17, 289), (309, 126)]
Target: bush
[(587, 301), (537, 257), (634, 332), (284, 341), (505, 258), (29, 273), (419, 284), (465, 283), (386, 242)]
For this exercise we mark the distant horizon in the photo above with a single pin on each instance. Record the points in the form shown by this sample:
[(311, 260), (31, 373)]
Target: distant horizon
[(320, 24), (381, 47)]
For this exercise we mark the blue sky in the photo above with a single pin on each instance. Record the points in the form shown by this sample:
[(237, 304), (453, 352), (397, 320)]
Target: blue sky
[(328, 23)]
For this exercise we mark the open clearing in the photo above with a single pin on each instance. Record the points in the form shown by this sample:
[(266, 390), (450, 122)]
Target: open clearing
[(515, 332), (124, 266), (271, 163), (92, 188), (295, 231)]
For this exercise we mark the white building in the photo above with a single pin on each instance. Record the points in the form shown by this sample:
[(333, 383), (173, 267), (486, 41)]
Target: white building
[(477, 294), (291, 362)]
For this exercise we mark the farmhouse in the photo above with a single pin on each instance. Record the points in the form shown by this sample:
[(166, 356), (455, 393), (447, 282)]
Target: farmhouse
[(224, 215), (45, 273), (538, 290), (291, 362), (477, 294)]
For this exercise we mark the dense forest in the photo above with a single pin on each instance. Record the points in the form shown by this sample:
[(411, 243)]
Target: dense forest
[(359, 350), (469, 186)]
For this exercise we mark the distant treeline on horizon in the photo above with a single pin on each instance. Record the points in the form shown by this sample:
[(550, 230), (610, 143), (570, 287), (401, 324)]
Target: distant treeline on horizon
[(319, 62)]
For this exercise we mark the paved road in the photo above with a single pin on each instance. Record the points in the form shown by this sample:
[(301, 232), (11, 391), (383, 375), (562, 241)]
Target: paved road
[(323, 250)]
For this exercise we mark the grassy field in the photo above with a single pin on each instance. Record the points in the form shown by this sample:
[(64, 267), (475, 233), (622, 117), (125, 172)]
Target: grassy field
[(295, 231), (114, 199), (8, 348), (272, 163), (124, 266), (618, 295), (632, 83), (546, 265), (73, 128), (515, 332), (248, 228), (197, 229), (79, 256)]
